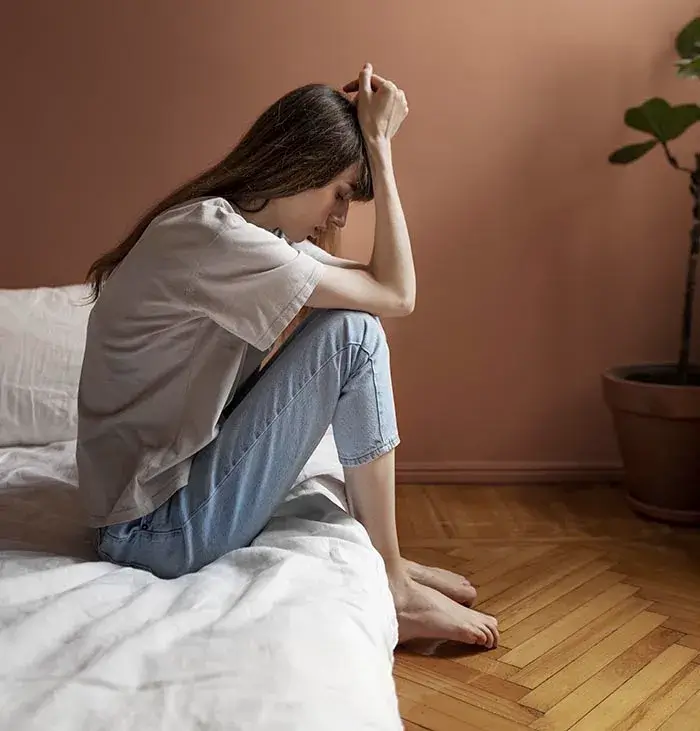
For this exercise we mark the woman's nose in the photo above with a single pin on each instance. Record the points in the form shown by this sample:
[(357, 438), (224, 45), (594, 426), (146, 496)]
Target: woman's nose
[(340, 215)]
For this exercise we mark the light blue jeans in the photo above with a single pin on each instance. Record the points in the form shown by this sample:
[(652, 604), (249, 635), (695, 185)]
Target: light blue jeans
[(333, 370)]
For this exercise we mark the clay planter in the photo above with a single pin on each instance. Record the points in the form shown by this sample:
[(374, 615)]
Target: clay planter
[(658, 431)]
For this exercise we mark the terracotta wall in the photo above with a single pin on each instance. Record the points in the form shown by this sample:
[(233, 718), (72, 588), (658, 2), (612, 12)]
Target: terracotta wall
[(538, 263)]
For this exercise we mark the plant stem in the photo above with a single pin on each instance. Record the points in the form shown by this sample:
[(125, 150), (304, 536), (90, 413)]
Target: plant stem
[(672, 160), (687, 328)]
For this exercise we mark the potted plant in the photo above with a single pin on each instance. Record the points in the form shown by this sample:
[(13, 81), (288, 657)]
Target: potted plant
[(656, 407)]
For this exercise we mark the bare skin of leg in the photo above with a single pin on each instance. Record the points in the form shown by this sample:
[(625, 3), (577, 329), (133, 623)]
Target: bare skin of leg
[(423, 611)]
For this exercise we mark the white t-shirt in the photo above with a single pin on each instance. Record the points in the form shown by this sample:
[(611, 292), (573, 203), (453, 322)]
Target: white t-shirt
[(166, 343)]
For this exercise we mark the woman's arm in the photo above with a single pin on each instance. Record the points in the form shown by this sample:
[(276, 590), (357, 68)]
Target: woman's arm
[(308, 247), (387, 286)]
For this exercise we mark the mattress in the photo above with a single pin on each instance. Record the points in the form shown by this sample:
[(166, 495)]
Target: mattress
[(295, 632)]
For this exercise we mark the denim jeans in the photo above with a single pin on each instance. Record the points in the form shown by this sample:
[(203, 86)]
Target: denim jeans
[(333, 370)]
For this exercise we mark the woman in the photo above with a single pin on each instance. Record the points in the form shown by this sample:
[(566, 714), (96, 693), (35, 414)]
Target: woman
[(186, 446)]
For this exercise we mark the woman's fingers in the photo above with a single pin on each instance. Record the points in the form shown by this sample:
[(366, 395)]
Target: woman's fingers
[(354, 85), (366, 78), (369, 81), (380, 114)]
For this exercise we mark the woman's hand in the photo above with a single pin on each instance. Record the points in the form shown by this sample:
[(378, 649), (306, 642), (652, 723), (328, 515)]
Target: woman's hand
[(381, 105)]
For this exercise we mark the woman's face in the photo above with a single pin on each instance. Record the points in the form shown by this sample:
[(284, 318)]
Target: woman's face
[(307, 214)]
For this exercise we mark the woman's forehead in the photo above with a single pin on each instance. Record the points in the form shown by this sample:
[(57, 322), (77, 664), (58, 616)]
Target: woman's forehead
[(349, 176)]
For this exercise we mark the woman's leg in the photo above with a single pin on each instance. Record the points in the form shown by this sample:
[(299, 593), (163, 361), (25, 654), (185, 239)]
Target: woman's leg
[(335, 369), (423, 611), (360, 485)]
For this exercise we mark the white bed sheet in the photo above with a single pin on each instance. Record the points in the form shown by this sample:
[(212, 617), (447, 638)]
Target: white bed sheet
[(295, 632)]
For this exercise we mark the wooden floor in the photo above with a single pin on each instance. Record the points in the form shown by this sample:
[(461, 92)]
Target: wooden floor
[(599, 612)]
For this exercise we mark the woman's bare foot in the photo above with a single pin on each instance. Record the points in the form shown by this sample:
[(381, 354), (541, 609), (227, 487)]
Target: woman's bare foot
[(425, 613), (446, 582)]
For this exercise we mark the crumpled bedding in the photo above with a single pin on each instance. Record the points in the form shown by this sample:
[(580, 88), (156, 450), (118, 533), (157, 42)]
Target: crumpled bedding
[(295, 632)]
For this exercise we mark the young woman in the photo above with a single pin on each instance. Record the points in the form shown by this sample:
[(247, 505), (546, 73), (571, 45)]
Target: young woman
[(186, 445)]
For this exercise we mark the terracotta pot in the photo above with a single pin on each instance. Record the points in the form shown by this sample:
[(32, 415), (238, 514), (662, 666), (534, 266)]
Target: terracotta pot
[(658, 432)]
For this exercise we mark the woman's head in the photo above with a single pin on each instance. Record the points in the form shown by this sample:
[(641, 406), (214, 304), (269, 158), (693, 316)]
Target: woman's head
[(296, 169), (304, 159)]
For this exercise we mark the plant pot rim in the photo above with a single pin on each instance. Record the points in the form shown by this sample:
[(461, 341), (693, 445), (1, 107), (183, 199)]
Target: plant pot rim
[(620, 373)]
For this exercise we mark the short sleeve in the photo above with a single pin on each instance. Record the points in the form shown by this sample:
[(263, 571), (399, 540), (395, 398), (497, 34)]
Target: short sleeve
[(249, 281)]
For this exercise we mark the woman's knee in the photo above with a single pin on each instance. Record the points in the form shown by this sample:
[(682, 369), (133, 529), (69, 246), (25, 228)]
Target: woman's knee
[(355, 326)]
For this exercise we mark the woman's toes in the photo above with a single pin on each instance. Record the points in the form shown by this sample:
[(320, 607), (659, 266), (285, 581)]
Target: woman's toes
[(491, 627), (475, 636), (490, 639), (424, 612), (468, 593), (453, 585)]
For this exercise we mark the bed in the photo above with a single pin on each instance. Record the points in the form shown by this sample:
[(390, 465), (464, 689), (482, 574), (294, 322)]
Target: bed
[(295, 632)]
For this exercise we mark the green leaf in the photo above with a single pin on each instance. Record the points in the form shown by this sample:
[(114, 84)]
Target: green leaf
[(630, 153), (689, 68), (683, 116), (659, 119), (688, 40), (645, 117)]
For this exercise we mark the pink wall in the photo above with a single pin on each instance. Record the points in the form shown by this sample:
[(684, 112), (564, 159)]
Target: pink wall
[(539, 264)]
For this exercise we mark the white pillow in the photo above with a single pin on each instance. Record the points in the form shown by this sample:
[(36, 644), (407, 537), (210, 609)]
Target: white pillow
[(42, 339)]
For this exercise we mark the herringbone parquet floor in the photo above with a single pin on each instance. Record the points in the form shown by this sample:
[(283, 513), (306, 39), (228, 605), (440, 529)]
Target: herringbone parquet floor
[(599, 612)]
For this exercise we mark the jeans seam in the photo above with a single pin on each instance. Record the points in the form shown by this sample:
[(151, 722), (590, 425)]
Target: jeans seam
[(376, 400), (144, 531), (262, 433)]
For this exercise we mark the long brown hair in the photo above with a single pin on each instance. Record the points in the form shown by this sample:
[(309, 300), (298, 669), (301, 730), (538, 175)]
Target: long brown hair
[(302, 141)]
